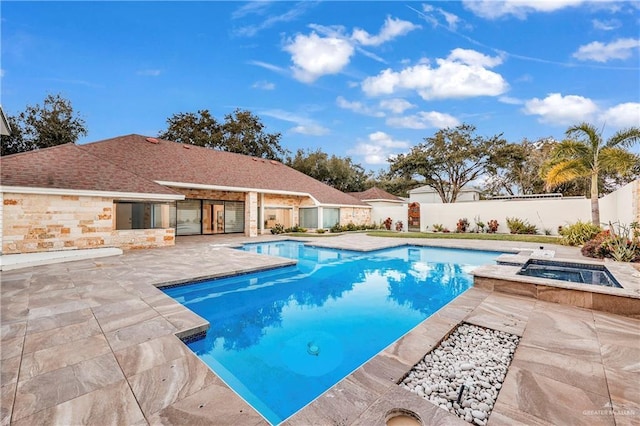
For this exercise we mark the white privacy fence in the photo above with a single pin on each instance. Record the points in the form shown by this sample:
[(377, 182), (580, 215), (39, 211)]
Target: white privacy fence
[(621, 206), (544, 214)]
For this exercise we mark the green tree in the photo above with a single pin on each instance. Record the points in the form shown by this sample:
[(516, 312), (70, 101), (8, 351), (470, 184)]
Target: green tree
[(190, 128), (241, 132), (591, 157), (244, 133), (53, 123), (392, 183), (450, 159), (340, 173)]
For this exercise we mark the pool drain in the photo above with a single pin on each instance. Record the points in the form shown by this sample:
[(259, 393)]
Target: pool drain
[(313, 349)]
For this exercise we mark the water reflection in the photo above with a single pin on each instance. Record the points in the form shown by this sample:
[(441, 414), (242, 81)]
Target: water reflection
[(240, 309)]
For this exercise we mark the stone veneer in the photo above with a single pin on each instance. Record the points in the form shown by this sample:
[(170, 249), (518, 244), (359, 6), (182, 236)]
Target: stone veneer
[(38, 223), (355, 215)]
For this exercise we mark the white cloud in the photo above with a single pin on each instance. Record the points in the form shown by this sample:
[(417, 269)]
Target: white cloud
[(378, 147), (149, 73), (315, 56), (452, 20), (268, 66), (328, 49), (292, 14), (391, 29), (264, 85), (510, 101), (601, 52), (250, 8), (471, 57), (424, 120), (463, 74), (310, 130), (564, 110), (357, 107), (492, 9), (396, 105), (429, 16), (304, 125), (622, 115), (606, 25)]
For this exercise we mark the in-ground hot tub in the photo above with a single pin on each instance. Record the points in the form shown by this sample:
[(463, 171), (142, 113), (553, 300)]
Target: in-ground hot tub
[(566, 271)]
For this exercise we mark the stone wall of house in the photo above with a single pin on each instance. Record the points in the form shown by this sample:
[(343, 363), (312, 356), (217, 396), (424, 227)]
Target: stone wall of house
[(142, 238), (355, 215), (34, 223), (275, 200), (208, 194)]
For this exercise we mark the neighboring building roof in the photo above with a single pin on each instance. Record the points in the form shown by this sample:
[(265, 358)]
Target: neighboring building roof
[(427, 189), (5, 128), (70, 167), (169, 162), (376, 194)]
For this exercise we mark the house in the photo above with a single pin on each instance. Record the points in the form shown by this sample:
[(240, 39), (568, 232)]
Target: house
[(427, 195), (136, 191), (5, 128), (383, 205)]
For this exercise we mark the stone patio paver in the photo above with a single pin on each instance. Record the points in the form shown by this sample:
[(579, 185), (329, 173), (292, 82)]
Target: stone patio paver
[(94, 342)]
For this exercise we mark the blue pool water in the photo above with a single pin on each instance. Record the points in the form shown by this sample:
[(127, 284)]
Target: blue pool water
[(282, 337)]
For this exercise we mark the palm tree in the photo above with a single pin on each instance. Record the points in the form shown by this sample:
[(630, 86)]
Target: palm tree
[(591, 157)]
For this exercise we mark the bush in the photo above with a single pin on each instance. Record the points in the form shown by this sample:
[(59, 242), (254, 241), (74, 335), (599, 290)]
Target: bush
[(351, 227), (623, 244), (578, 233), (336, 228), (492, 226), (437, 227), (596, 246), (387, 223), (462, 225), (320, 231), (278, 228), (519, 226), (296, 228)]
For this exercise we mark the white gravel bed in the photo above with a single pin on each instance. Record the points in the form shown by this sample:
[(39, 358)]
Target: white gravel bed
[(464, 374)]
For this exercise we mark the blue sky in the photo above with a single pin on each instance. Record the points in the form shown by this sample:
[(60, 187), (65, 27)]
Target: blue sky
[(360, 79)]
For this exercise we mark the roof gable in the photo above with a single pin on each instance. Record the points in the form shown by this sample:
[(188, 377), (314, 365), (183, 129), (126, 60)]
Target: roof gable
[(375, 194)]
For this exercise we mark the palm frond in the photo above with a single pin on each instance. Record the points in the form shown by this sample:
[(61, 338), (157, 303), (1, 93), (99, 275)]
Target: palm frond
[(570, 149), (564, 172), (618, 160), (588, 131), (624, 137)]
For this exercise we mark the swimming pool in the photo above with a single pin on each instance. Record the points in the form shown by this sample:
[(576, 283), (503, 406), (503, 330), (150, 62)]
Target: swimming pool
[(282, 337)]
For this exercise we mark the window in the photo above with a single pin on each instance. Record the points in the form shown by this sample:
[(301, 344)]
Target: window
[(233, 216), (141, 215), (309, 218), (189, 217), (273, 216), (330, 217)]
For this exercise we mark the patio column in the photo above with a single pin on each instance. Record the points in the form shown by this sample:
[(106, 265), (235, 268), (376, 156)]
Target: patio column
[(251, 214)]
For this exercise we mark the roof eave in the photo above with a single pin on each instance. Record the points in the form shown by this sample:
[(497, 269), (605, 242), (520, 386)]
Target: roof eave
[(90, 193)]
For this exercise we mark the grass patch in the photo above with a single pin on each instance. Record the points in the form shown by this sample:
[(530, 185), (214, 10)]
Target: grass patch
[(547, 239), (312, 234)]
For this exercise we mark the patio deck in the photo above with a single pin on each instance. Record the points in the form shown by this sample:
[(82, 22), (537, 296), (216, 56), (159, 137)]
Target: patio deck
[(94, 342)]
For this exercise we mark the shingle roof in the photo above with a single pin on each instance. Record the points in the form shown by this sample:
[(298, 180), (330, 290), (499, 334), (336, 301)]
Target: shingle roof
[(71, 167), (375, 194), (167, 161)]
